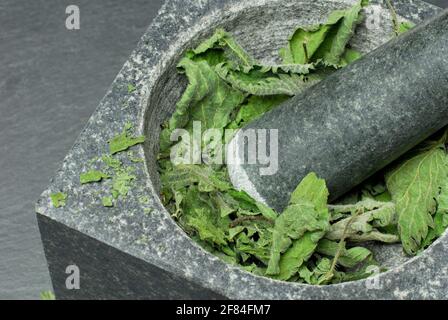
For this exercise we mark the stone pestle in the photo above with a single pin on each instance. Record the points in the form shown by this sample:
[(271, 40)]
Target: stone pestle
[(356, 121)]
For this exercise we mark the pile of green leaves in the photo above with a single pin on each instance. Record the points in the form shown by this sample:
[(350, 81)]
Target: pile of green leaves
[(310, 241)]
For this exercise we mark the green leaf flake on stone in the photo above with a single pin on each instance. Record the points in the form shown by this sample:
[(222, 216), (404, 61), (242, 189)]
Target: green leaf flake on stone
[(121, 182), (405, 27), (208, 180), (112, 162), (131, 88), (92, 176), (124, 141), (58, 199)]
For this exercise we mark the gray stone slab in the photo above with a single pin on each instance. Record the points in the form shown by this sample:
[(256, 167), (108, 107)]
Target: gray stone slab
[(52, 81), (126, 237), (356, 121)]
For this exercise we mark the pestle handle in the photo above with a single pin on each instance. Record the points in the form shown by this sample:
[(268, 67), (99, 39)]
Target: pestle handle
[(358, 120)]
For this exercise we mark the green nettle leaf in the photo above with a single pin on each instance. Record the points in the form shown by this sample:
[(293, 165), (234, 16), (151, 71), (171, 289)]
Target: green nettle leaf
[(334, 45), (303, 44), (414, 185), (214, 111), (440, 226), (364, 272), (266, 211), (291, 225), (299, 228), (225, 204), (299, 252), (303, 69), (222, 40), (178, 198), (255, 241), (92, 176), (205, 177), (255, 107), (204, 218), (245, 201), (348, 258), (440, 218), (207, 99), (233, 232), (321, 270), (442, 200), (354, 256), (377, 213), (350, 56), (327, 42), (260, 82), (314, 190), (361, 227), (318, 273)]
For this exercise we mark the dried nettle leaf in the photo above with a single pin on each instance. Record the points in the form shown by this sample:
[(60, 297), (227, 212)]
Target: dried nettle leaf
[(222, 44), (348, 258), (205, 177), (254, 108), (261, 81), (415, 185), (299, 228), (363, 222), (207, 97), (440, 218), (204, 218), (326, 42)]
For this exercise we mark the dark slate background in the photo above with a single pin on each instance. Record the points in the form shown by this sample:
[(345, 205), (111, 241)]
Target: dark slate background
[(51, 80)]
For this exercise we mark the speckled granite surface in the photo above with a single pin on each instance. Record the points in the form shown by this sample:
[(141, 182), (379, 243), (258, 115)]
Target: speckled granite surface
[(122, 251)]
